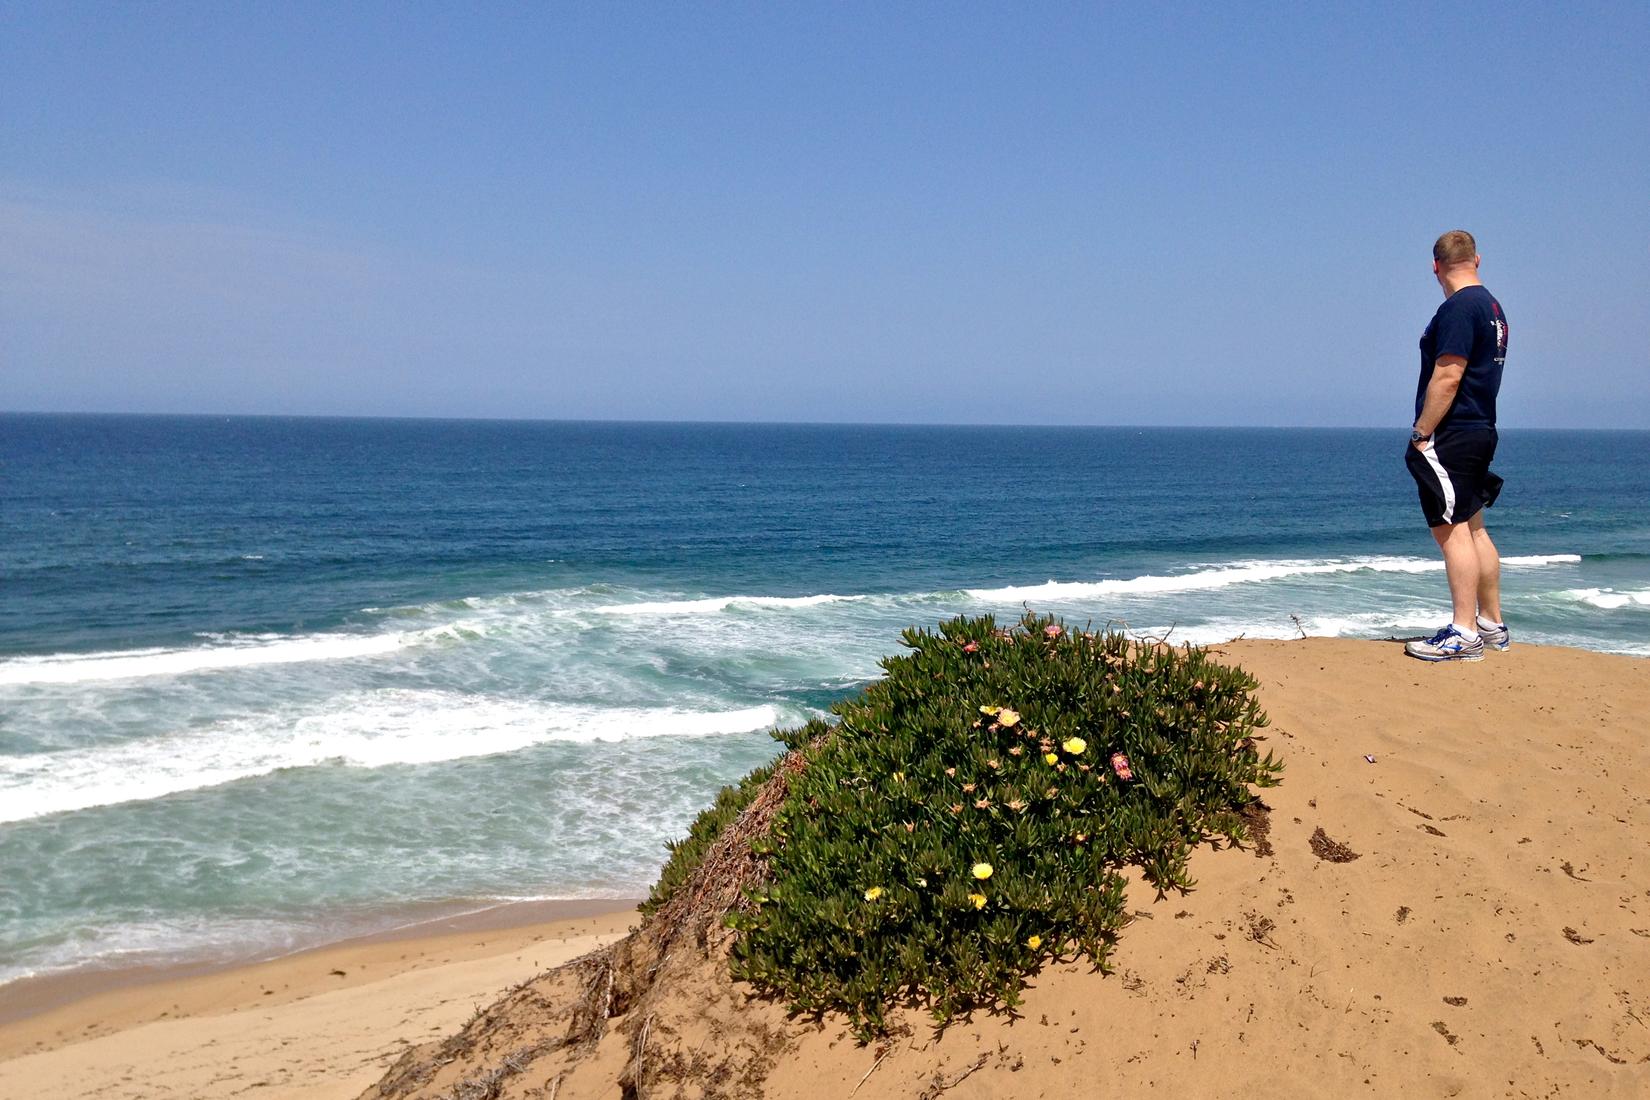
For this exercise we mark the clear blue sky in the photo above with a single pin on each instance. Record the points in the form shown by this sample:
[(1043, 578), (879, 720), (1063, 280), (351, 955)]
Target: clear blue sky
[(961, 213)]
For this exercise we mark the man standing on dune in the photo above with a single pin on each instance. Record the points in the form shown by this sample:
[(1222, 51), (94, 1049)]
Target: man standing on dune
[(1463, 352)]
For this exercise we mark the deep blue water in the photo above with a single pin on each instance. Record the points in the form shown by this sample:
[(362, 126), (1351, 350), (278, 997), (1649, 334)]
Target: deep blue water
[(264, 679)]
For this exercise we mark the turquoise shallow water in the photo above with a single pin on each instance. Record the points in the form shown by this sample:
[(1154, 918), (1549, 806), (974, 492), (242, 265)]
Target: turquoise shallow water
[(265, 682)]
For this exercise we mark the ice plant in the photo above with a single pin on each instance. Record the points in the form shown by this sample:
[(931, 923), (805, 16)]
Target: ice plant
[(1052, 631), (929, 773), (971, 647), (1120, 765)]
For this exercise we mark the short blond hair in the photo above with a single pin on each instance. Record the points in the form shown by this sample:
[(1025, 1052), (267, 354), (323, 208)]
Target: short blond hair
[(1454, 247)]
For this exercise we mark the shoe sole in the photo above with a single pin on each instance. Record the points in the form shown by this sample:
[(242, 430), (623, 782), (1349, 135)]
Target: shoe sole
[(1441, 659)]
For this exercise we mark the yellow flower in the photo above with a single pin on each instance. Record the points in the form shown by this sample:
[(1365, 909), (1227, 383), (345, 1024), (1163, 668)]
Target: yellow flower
[(873, 893), (991, 710), (982, 871), (978, 900), (1034, 942), (1074, 745), (1008, 719), (1050, 758)]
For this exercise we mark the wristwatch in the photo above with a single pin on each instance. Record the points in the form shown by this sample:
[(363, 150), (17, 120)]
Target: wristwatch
[(1417, 437)]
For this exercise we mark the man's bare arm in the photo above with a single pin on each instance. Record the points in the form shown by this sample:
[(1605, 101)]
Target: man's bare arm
[(1441, 390)]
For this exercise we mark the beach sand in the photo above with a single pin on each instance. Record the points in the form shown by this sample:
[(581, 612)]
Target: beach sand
[(1453, 898), (321, 1023)]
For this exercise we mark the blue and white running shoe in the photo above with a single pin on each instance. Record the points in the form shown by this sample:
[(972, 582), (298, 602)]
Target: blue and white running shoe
[(1495, 636), (1449, 644)]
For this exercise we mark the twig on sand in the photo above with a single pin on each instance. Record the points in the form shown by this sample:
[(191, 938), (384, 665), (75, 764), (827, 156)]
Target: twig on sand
[(1162, 639), (886, 1051), (940, 1084), (1296, 619)]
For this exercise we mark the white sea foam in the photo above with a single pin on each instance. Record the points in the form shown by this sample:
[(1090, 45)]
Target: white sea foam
[(1226, 575), (717, 604), (366, 730), (240, 652), (1608, 599), (221, 652), (574, 601), (1281, 626), (1219, 577), (159, 942), (1375, 622)]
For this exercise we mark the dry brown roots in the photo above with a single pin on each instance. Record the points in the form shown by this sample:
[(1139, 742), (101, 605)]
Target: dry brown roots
[(533, 1039)]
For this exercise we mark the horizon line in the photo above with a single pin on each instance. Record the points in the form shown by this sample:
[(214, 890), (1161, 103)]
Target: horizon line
[(749, 423)]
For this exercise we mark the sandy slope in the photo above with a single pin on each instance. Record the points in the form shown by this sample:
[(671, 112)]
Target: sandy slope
[(1492, 938), (316, 1025)]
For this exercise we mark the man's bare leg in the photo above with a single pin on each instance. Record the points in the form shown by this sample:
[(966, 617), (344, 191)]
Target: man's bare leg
[(1461, 566), (1489, 571)]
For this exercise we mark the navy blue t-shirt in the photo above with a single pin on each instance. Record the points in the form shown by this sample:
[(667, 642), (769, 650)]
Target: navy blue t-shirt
[(1469, 324)]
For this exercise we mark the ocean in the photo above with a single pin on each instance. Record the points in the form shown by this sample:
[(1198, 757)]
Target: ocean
[(269, 682)]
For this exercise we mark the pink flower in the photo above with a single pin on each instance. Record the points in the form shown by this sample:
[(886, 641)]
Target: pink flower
[(1120, 765), (971, 647), (1052, 631)]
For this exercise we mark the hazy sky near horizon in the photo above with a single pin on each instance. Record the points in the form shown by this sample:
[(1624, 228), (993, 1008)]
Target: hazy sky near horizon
[(959, 213)]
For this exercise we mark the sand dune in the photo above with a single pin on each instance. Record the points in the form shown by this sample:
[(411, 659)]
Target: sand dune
[(1454, 899)]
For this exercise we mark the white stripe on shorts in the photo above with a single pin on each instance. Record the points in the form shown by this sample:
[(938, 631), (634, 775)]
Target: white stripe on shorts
[(1431, 453)]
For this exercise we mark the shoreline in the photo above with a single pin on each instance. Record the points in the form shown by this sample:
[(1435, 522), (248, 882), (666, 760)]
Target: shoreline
[(45, 1013)]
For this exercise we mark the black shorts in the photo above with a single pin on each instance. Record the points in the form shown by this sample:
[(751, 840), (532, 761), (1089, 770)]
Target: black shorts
[(1453, 474)]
